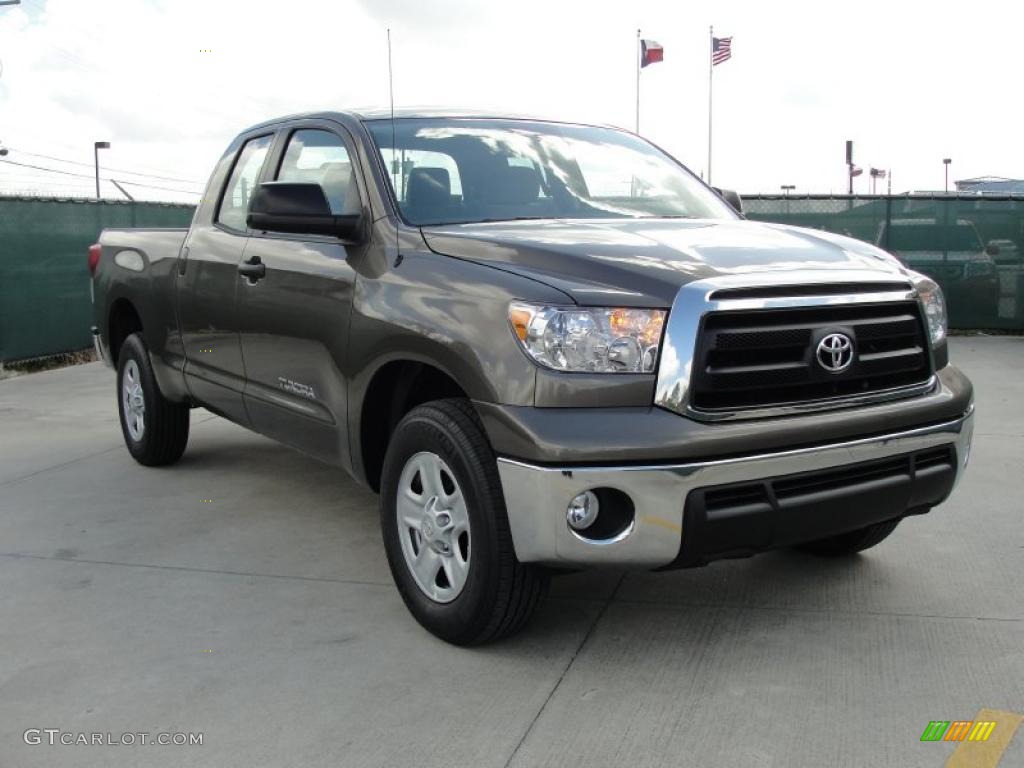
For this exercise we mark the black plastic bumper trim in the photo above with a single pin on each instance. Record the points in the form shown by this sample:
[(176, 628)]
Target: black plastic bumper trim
[(743, 519)]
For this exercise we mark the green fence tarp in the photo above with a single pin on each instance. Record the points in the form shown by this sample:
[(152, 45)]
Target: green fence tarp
[(45, 301), (973, 246)]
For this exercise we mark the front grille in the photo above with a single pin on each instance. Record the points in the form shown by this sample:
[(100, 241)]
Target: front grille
[(767, 357), (789, 291)]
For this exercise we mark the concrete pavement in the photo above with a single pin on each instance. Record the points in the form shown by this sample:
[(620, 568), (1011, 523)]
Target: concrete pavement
[(244, 594)]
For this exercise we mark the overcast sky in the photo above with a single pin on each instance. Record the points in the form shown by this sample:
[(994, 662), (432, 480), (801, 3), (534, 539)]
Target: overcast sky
[(169, 82)]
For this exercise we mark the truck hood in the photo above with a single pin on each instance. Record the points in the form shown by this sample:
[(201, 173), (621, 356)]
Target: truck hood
[(644, 262)]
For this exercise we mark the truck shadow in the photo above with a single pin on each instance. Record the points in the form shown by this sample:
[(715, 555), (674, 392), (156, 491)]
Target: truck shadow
[(263, 473), (783, 582)]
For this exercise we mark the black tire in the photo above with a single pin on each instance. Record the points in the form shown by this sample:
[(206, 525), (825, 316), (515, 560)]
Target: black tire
[(852, 542), (165, 427), (500, 593)]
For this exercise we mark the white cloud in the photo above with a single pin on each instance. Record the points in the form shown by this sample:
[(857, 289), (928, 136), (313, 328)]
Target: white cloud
[(910, 82)]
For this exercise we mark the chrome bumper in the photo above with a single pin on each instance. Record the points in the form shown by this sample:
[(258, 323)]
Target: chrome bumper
[(536, 497)]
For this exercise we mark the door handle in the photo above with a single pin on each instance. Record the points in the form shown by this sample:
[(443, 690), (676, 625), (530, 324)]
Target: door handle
[(253, 269)]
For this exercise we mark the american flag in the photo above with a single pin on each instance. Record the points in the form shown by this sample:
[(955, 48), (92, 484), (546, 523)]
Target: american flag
[(721, 49)]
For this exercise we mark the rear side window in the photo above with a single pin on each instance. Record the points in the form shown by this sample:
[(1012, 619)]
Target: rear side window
[(235, 204), (320, 157)]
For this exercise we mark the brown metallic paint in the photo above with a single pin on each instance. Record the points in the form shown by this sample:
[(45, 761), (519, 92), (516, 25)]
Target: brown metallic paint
[(329, 316)]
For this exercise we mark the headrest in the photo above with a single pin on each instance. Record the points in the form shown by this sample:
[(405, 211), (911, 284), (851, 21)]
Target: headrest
[(513, 185), (429, 187)]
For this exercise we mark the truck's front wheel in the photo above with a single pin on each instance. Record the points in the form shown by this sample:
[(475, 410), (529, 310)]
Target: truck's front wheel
[(446, 530), (155, 429)]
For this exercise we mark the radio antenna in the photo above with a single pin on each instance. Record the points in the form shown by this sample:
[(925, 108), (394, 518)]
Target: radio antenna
[(394, 150)]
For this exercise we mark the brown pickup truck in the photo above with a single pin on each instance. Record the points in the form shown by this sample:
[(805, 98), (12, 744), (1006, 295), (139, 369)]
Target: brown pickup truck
[(547, 346)]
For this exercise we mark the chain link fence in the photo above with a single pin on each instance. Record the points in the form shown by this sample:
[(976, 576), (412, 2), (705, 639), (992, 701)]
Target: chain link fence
[(973, 246), (45, 301)]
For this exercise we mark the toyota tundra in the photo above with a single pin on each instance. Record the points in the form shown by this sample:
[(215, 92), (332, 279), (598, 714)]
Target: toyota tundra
[(547, 346)]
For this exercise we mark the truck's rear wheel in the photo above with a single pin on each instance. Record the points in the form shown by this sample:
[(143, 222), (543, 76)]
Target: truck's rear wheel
[(851, 542), (155, 429), (446, 530)]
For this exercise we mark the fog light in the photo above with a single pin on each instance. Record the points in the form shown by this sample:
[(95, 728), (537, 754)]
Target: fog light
[(582, 511)]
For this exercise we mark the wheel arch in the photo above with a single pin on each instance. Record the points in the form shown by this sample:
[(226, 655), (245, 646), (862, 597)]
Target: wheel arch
[(123, 320), (395, 386)]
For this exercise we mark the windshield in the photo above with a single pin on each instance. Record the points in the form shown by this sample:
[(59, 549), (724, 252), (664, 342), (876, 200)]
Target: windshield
[(445, 171)]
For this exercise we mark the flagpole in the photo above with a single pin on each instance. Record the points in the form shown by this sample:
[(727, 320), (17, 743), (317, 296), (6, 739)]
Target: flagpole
[(711, 70), (636, 58)]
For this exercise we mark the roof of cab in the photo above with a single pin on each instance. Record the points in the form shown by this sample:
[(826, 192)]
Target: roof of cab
[(384, 113)]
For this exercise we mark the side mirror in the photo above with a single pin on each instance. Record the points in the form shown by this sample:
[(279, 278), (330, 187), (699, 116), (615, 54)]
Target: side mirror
[(991, 249), (731, 197), (301, 209)]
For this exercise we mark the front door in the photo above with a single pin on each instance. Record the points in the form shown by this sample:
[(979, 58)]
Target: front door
[(295, 319), (208, 281)]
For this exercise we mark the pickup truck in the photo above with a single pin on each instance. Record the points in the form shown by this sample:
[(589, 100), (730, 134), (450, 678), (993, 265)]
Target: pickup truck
[(547, 346)]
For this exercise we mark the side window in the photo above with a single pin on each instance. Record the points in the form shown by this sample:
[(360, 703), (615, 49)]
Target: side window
[(235, 203), (320, 157)]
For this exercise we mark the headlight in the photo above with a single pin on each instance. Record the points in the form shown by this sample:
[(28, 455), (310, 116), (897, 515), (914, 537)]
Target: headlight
[(934, 307), (588, 340)]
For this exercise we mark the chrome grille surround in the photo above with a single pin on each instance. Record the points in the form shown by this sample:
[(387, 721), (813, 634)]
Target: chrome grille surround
[(694, 301)]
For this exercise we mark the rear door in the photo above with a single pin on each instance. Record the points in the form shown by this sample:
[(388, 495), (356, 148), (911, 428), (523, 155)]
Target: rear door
[(296, 318), (208, 282)]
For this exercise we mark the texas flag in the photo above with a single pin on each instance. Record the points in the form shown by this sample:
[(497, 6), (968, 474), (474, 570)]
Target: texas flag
[(650, 53)]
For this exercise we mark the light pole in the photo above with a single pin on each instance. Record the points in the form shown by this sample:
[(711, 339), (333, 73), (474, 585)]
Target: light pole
[(786, 189), (946, 161), (96, 147)]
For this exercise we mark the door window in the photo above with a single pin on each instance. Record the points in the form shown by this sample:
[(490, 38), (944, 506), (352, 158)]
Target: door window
[(320, 157), (235, 204)]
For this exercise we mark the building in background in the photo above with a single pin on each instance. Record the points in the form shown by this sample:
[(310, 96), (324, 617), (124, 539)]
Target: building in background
[(991, 185)]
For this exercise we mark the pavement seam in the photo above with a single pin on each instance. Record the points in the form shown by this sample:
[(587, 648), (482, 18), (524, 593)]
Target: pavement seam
[(796, 609), (564, 598), (565, 671), (19, 478), (188, 569)]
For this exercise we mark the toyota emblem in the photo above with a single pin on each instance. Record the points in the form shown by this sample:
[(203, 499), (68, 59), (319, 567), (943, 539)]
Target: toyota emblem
[(835, 352)]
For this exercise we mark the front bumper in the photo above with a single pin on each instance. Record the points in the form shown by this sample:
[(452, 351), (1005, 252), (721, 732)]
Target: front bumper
[(536, 497)]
